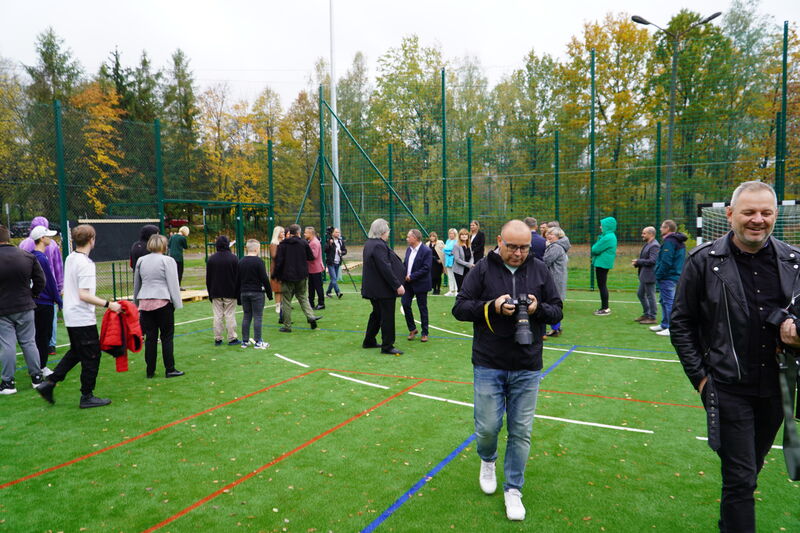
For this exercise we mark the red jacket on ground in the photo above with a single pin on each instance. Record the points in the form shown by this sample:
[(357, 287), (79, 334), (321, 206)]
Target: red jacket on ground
[(120, 333)]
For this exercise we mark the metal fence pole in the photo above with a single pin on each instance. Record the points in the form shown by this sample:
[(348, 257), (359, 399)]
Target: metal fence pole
[(783, 111), (391, 199), (62, 180), (159, 174), (658, 174), (556, 178), (444, 156), (321, 163), (778, 154), (271, 223), (469, 179), (592, 199), (239, 231)]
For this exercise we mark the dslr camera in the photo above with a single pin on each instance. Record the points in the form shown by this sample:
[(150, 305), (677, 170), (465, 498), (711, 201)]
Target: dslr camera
[(522, 330)]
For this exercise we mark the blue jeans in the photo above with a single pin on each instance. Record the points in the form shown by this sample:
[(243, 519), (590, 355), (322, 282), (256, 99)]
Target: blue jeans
[(667, 289), (335, 272), (514, 393)]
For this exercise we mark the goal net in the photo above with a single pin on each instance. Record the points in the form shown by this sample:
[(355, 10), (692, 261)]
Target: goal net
[(713, 224)]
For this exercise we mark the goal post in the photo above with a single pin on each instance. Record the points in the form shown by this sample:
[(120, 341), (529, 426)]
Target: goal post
[(712, 223)]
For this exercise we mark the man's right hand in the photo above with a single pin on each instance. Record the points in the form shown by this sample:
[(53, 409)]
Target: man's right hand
[(401, 290), (702, 385), (502, 308), (115, 306)]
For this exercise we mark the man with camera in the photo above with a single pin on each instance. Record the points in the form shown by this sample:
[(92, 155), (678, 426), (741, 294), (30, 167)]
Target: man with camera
[(509, 297), (724, 329)]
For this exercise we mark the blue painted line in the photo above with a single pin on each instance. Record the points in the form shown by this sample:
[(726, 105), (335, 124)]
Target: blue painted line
[(418, 485), (560, 360)]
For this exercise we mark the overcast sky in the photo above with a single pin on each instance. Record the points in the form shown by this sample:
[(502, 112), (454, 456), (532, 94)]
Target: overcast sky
[(252, 44)]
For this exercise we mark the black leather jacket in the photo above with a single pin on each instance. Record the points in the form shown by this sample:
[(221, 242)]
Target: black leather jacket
[(710, 323)]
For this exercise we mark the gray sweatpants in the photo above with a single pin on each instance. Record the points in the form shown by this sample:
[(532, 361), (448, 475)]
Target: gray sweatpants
[(18, 327)]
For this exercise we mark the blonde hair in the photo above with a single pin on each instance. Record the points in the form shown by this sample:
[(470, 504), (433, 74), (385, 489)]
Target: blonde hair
[(157, 244), (184, 231), (452, 230), (277, 233)]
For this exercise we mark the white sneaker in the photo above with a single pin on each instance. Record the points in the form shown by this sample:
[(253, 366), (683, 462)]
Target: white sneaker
[(261, 345), (244, 344), (252, 341), (663, 332), (487, 479), (514, 508), (46, 371), (656, 328)]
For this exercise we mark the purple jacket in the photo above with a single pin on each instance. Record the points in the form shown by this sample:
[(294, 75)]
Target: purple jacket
[(50, 295), (52, 252)]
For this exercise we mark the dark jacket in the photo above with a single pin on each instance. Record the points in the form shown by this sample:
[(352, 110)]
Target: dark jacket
[(330, 250), (292, 257), (493, 344), (671, 257), (221, 271), (50, 295), (252, 276), (478, 246), (420, 270), (647, 261), (382, 270), (710, 324), (17, 269), (538, 245), (139, 248)]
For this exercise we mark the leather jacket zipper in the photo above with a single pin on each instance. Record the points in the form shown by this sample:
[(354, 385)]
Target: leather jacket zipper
[(730, 332)]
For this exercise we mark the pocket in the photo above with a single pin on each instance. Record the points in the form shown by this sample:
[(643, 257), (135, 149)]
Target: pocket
[(90, 348)]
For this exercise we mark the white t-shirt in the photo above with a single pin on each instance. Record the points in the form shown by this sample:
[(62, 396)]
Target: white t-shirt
[(79, 273)]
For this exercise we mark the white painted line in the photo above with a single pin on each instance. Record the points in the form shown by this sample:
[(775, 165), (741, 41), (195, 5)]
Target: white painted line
[(775, 447), (610, 301), (358, 381), (450, 331), (292, 361), (441, 399)]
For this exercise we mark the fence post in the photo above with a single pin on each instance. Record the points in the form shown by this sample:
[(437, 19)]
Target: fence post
[(62, 180), (779, 185), (444, 156), (114, 280), (469, 179), (239, 231), (159, 174), (657, 221), (271, 223), (778, 154), (321, 164), (592, 213), (391, 198), (556, 178)]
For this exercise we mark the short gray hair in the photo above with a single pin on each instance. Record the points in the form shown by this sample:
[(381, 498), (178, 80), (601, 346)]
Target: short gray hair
[(416, 233), (557, 232), (752, 186), (649, 229), (252, 245), (378, 228)]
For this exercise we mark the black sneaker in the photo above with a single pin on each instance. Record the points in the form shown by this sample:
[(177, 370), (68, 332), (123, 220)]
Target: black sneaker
[(174, 373), (339, 295), (45, 390), (319, 307), (90, 401), (284, 329), (218, 342), (36, 380), (234, 342), (8, 387)]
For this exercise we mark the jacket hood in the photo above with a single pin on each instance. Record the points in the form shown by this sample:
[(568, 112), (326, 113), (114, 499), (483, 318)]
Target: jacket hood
[(608, 224), (564, 243), (40, 221), (294, 240), (678, 236), (223, 243), (147, 231)]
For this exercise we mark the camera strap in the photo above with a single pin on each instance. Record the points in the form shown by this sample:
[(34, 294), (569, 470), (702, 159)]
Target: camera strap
[(787, 375)]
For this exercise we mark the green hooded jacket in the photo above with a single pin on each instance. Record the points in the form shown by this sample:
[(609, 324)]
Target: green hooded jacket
[(604, 251)]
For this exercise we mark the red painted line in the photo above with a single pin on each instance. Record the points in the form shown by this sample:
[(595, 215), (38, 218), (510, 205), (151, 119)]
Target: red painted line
[(277, 460), (624, 399), (151, 432)]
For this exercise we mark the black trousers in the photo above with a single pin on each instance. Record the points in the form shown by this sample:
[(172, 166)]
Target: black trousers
[(381, 319), (43, 322), (436, 276), (748, 426), (161, 320), (602, 285), (422, 303), (180, 271), (315, 289), (84, 348)]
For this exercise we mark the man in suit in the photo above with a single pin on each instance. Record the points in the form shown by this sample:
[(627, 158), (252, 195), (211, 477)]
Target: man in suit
[(477, 241), (417, 282), (646, 264), (538, 243)]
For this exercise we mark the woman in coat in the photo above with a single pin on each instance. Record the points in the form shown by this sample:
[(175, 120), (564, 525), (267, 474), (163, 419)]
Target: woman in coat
[(452, 239), (462, 258), (278, 234), (556, 259), (604, 251), (437, 265), (157, 293)]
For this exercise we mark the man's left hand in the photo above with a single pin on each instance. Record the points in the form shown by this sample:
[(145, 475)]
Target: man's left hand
[(789, 335), (534, 304)]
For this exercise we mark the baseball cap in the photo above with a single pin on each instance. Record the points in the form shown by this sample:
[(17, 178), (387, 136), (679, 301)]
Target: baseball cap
[(40, 231)]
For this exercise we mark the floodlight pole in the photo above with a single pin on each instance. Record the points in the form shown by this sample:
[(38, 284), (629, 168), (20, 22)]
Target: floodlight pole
[(334, 138), (673, 87)]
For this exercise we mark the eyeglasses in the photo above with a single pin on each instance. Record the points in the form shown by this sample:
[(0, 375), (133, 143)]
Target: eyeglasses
[(521, 248)]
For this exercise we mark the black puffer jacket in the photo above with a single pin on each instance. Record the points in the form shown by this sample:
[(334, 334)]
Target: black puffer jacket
[(493, 344), (139, 248), (222, 271), (291, 259), (709, 324)]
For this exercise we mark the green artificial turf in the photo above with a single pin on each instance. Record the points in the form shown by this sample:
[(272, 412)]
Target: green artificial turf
[(334, 454)]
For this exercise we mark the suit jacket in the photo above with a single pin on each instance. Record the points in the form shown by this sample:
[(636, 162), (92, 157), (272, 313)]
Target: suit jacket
[(420, 270), (646, 263), (538, 245), (478, 245), (382, 270)]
